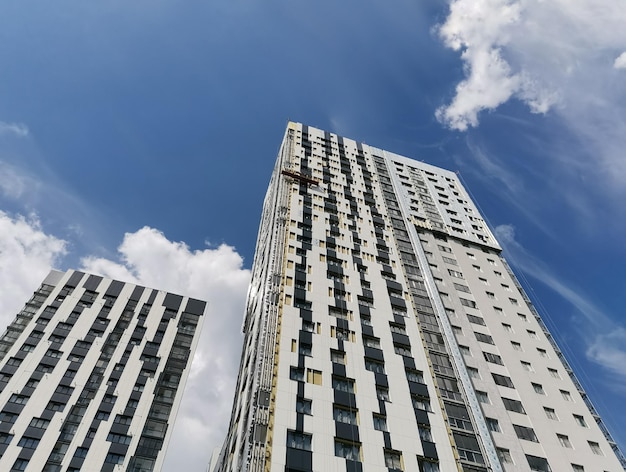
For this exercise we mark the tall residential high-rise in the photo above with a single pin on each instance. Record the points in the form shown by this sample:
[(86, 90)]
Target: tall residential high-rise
[(385, 331), (92, 372)]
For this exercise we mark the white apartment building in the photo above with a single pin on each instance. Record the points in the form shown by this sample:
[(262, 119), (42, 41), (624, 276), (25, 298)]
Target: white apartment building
[(92, 372), (384, 331)]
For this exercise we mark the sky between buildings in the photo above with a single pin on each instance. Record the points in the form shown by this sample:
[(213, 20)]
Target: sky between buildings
[(137, 140)]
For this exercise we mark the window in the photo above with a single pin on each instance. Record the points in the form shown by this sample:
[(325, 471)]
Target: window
[(402, 350), (526, 433), (564, 440), (113, 458), (578, 468), (19, 399), (476, 320), (380, 422), (465, 350), (504, 455), (305, 349), (344, 415), (28, 443), (507, 327), (513, 405), (393, 460), (538, 464), (296, 373), (527, 366), (303, 405), (513, 301), (493, 358), (566, 395), (595, 448), (350, 451), (483, 397), (580, 421), (122, 419), (455, 273), (81, 452), (343, 384), (19, 465), (371, 342), (297, 440), (414, 376), (532, 334), (425, 433), (427, 466), (484, 338), (374, 366), (461, 288), (517, 346), (421, 403), (550, 413), (554, 373), (473, 372), (468, 303), (538, 388), (491, 295), (55, 406), (338, 357), (382, 393), (314, 376), (493, 425), (39, 423), (484, 281), (502, 380)]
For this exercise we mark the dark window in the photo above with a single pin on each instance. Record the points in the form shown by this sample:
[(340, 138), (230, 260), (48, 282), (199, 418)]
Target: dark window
[(513, 405), (526, 433), (297, 440), (502, 380)]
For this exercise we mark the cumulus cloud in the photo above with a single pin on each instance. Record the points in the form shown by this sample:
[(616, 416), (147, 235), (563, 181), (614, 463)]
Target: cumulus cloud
[(27, 254), (15, 129), (217, 275), (620, 61), (542, 53)]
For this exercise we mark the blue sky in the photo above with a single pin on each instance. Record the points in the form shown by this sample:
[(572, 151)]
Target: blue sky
[(138, 138)]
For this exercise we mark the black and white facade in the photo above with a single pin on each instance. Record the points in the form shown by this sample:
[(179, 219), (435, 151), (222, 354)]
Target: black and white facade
[(385, 331), (92, 372)]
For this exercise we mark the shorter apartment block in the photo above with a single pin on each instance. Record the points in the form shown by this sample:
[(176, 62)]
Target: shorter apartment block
[(92, 372)]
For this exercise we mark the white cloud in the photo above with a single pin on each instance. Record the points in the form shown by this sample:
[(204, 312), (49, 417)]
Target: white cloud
[(542, 53), (216, 275), (15, 129), (26, 256), (620, 61)]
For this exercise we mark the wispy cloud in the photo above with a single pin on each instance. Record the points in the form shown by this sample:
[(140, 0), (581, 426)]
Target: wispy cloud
[(604, 338), (15, 129), (493, 172), (620, 61)]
